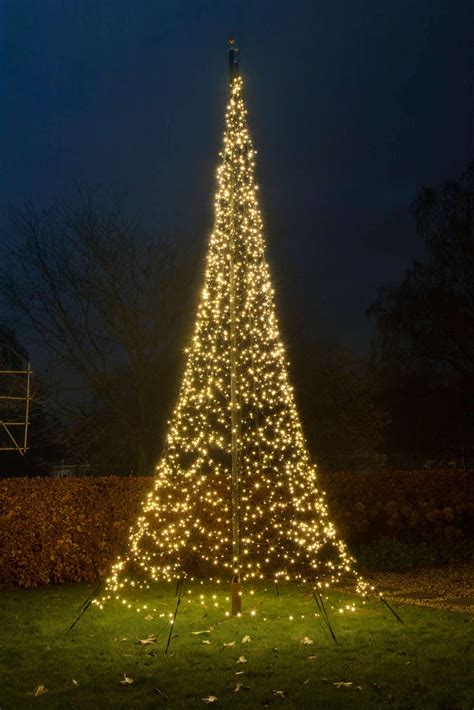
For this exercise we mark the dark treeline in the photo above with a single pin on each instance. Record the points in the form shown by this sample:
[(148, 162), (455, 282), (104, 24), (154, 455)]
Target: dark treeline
[(107, 310), (423, 353)]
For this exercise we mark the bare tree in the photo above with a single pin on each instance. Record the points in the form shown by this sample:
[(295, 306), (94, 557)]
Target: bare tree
[(107, 303)]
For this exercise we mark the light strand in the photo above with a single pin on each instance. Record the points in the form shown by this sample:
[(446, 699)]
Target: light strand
[(185, 527)]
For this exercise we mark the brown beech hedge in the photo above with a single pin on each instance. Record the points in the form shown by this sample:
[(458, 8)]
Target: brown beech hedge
[(69, 530)]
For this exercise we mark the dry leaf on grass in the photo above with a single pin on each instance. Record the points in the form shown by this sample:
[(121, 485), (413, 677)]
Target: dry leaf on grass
[(207, 642), (149, 617), (305, 682), (74, 682), (307, 641), (148, 641), (246, 639), (241, 686), (229, 645), (40, 690), (281, 693), (198, 633), (242, 659), (209, 699), (126, 680), (239, 673), (343, 684), (311, 658)]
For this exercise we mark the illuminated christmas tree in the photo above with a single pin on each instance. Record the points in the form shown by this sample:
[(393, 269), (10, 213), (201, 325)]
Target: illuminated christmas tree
[(236, 495)]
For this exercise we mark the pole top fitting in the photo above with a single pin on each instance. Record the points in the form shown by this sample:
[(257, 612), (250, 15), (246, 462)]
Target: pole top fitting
[(233, 58)]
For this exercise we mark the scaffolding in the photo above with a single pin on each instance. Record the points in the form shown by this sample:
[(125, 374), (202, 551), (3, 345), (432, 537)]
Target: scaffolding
[(15, 397)]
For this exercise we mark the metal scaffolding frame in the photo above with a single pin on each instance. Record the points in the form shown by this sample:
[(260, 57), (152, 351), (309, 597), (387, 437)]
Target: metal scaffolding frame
[(18, 390)]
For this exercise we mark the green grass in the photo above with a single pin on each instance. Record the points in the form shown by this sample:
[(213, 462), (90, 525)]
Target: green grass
[(423, 663)]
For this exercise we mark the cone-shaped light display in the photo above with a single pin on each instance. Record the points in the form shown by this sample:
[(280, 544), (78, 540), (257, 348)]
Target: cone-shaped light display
[(235, 490)]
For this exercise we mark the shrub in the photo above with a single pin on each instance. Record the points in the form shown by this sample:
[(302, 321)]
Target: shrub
[(415, 506), (70, 530), (392, 554), (64, 530)]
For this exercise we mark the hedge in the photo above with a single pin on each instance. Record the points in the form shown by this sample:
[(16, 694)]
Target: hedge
[(410, 506), (69, 530)]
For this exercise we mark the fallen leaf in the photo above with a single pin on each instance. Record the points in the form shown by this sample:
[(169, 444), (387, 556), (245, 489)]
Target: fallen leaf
[(241, 686), (126, 680), (207, 642), (149, 617), (242, 659), (40, 690), (281, 693), (305, 682), (311, 658), (197, 633), (74, 682), (239, 672), (148, 641), (229, 645), (209, 699), (307, 641), (246, 639), (343, 684)]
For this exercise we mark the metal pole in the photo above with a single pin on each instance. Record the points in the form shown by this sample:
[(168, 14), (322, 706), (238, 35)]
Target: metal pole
[(27, 409), (234, 404), (235, 434), (233, 59), (17, 447)]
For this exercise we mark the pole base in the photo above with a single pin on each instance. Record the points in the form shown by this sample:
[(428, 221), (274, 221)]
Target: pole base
[(236, 595)]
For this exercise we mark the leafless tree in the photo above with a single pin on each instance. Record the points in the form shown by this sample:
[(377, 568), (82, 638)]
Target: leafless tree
[(107, 303)]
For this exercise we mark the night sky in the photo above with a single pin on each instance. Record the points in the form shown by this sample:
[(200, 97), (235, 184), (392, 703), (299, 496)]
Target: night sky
[(353, 107)]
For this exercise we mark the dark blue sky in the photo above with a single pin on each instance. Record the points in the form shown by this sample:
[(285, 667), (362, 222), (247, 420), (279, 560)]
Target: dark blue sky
[(353, 107)]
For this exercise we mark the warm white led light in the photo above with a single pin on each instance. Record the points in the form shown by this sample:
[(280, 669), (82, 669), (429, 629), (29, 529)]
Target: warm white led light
[(186, 523)]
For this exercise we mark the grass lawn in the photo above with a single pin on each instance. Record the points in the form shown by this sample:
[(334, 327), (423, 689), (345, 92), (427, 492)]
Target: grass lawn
[(424, 663)]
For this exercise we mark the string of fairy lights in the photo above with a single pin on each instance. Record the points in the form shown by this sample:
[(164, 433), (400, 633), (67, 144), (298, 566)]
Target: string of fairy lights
[(185, 528)]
